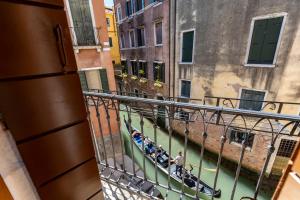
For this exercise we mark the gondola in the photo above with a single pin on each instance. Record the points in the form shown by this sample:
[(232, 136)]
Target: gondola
[(190, 180)]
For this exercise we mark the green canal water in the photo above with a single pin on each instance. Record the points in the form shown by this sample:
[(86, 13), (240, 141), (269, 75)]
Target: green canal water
[(226, 176)]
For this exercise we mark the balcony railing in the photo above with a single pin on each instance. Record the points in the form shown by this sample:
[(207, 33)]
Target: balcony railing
[(85, 36), (112, 116)]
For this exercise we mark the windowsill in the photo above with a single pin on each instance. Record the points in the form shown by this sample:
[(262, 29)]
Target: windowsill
[(186, 63), (157, 4), (158, 45), (141, 47), (240, 145), (77, 48), (260, 65), (140, 11)]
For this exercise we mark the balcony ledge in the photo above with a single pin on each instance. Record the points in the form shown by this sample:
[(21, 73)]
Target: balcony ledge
[(78, 48)]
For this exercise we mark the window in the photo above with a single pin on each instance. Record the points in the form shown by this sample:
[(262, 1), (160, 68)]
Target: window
[(185, 89), (238, 136), (119, 13), (264, 40), (134, 68), (187, 47), (124, 66), (158, 33), (131, 38), (286, 148), (159, 72), (139, 5), (110, 42), (83, 81), (108, 22), (128, 8), (82, 21), (140, 32), (145, 95), (104, 80), (122, 41), (143, 69), (252, 100)]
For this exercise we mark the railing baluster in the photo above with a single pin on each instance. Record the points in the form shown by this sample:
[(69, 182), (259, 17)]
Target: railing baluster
[(155, 141), (170, 131), (204, 137), (143, 145), (223, 140), (110, 131), (120, 134), (271, 149), (131, 140), (186, 133), (237, 174), (100, 129)]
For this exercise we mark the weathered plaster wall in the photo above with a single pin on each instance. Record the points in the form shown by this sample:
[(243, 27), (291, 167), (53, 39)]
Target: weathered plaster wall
[(221, 35)]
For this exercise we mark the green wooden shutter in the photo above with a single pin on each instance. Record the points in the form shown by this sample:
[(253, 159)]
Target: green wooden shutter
[(257, 41), (187, 46), (110, 42), (104, 80), (264, 40), (83, 81), (271, 39)]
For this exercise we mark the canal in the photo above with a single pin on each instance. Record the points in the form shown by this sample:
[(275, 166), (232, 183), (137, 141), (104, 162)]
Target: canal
[(226, 176)]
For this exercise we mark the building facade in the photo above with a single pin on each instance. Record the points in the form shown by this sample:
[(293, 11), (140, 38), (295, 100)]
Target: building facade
[(89, 32), (113, 37), (239, 50), (143, 27)]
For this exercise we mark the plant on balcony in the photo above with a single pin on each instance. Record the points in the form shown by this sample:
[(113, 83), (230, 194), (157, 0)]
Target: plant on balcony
[(141, 72), (134, 77), (143, 80), (124, 75), (158, 84)]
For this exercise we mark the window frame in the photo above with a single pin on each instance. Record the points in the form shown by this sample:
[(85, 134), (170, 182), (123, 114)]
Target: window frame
[(269, 16), (122, 36), (110, 40), (248, 148), (160, 63), (119, 12), (137, 45), (181, 45), (130, 42), (156, 22), (180, 85), (240, 95), (108, 22)]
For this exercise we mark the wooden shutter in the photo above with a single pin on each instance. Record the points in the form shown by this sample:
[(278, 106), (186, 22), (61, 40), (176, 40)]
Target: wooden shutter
[(256, 96), (271, 39), (110, 42), (187, 46), (264, 40), (104, 80), (83, 81), (162, 72), (155, 72)]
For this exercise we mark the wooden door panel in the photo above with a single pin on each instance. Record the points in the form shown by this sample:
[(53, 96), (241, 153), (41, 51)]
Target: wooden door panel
[(78, 184), (58, 99), (49, 156), (34, 40)]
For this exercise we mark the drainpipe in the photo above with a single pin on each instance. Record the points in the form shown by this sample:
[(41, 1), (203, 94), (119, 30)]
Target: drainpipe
[(172, 34)]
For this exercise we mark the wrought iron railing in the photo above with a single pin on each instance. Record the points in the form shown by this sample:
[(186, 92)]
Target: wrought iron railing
[(85, 36), (106, 119), (268, 106)]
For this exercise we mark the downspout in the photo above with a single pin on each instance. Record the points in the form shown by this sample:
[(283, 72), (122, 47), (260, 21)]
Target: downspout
[(173, 12)]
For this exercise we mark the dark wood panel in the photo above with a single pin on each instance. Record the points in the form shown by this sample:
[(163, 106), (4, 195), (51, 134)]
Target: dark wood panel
[(78, 184), (32, 107), (56, 153), (50, 2), (4, 192), (34, 40)]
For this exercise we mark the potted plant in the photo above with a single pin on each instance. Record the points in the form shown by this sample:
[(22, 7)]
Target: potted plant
[(134, 77), (158, 84), (143, 80), (124, 75)]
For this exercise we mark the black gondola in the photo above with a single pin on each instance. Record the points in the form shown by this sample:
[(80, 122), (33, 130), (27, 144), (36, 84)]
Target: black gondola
[(190, 180)]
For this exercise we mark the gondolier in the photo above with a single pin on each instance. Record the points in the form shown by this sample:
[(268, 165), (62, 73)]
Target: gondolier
[(179, 163)]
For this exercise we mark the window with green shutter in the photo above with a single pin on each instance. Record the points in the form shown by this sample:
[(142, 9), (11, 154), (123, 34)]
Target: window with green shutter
[(264, 40), (252, 100), (187, 47), (104, 80), (110, 42), (83, 81), (159, 72), (185, 88)]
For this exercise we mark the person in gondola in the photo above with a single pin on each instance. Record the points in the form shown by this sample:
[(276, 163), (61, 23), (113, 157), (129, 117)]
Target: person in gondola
[(179, 163), (135, 133), (160, 150)]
